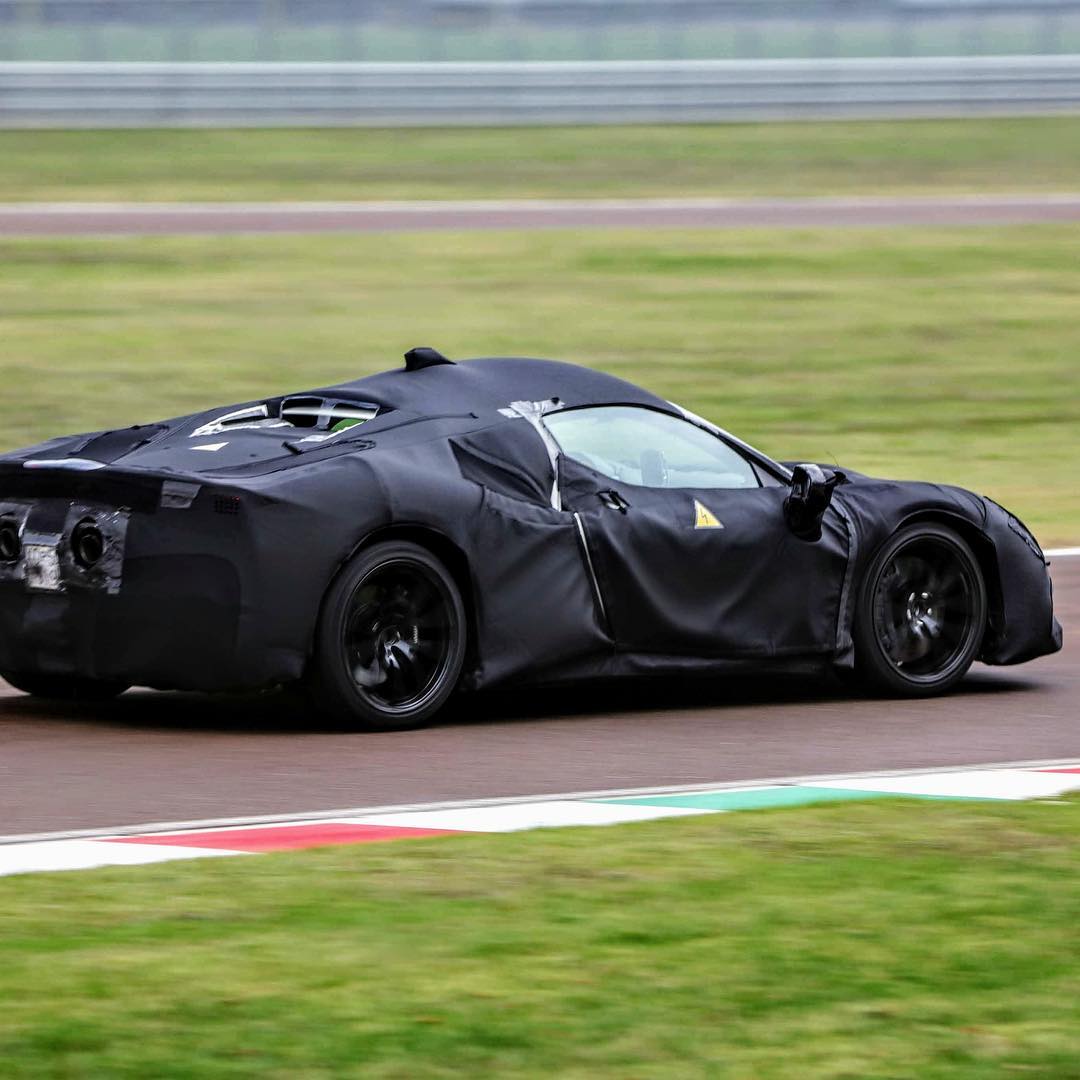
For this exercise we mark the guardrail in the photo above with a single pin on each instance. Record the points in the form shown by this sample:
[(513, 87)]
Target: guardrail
[(429, 31), (257, 95)]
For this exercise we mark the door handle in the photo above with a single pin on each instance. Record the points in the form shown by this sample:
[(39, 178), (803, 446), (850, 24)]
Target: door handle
[(613, 501)]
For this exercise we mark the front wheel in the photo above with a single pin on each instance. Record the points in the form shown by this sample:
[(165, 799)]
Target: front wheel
[(921, 613), (65, 687), (391, 637)]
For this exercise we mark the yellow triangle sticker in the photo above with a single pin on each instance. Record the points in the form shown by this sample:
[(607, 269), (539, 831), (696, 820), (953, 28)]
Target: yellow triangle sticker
[(705, 518)]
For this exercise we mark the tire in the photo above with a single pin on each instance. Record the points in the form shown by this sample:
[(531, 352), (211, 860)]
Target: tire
[(66, 687), (921, 613), (390, 642)]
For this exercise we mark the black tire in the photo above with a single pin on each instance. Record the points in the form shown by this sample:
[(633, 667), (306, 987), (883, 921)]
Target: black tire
[(390, 642), (921, 613), (65, 687)]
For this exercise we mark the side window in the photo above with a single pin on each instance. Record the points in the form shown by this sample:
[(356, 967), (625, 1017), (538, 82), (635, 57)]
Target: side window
[(648, 448)]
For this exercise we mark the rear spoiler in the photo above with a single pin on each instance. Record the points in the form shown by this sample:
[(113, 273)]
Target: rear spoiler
[(109, 485)]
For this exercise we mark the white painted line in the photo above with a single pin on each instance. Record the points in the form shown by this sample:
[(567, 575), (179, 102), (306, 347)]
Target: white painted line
[(980, 784), (517, 816), (813, 780), (87, 854), (1062, 553)]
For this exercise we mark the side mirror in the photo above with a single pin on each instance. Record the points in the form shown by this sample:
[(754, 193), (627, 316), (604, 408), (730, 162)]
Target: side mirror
[(811, 493)]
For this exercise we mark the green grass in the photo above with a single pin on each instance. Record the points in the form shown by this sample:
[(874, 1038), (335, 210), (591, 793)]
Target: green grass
[(947, 354), (873, 940), (930, 156)]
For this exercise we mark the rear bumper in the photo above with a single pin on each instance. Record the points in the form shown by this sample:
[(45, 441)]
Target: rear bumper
[(181, 605), (174, 623)]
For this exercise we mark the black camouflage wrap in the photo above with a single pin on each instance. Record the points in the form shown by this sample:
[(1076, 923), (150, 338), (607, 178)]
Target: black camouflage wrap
[(217, 560)]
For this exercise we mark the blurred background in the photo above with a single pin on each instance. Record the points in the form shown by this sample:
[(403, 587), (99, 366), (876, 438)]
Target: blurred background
[(529, 61), (511, 30), (941, 347)]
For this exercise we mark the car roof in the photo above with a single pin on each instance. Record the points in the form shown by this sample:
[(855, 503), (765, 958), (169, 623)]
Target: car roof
[(492, 383)]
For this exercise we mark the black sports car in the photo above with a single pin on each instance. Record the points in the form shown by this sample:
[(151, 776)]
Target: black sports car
[(386, 541)]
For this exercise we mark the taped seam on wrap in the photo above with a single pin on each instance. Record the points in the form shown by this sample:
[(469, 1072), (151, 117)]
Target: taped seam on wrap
[(591, 570), (844, 642)]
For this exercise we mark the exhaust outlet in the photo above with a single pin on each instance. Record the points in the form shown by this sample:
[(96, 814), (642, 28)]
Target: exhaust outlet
[(87, 544)]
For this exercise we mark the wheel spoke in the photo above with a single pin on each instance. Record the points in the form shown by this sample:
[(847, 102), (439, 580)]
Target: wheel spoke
[(906, 569), (372, 674), (952, 584), (404, 669)]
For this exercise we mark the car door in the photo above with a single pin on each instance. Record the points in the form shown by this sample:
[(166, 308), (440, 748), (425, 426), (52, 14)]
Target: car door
[(687, 542)]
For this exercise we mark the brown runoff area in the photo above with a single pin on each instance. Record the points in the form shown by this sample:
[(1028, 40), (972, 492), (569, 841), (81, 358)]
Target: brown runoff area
[(173, 757)]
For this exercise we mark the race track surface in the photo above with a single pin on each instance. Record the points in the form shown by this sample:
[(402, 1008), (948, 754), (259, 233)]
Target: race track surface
[(171, 757), (133, 219)]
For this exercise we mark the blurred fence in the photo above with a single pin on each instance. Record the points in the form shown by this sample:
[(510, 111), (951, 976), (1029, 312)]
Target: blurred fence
[(516, 30), (112, 95), (382, 62)]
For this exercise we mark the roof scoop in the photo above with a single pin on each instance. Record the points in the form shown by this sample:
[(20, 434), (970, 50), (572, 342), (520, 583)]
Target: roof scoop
[(424, 357)]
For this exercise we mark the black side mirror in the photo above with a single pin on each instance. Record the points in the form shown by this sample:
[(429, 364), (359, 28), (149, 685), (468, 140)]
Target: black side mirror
[(811, 493)]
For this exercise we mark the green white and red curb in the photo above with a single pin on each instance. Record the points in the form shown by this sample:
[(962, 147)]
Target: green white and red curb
[(165, 842)]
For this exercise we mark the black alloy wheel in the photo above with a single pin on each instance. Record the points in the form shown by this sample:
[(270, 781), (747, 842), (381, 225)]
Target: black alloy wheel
[(921, 613), (391, 639)]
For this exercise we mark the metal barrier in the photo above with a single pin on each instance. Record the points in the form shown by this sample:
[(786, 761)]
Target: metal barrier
[(153, 94), (339, 31)]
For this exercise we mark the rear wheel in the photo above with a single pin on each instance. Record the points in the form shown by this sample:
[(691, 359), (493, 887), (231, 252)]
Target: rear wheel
[(391, 640), (921, 613), (65, 687)]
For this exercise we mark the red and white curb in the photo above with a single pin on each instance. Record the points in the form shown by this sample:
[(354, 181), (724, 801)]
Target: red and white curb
[(140, 845)]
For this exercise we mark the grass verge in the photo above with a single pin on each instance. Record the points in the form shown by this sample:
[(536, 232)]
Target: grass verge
[(945, 355), (927, 156), (879, 939)]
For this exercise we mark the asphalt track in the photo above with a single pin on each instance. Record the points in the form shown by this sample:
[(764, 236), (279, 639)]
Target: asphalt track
[(171, 757), (136, 219)]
